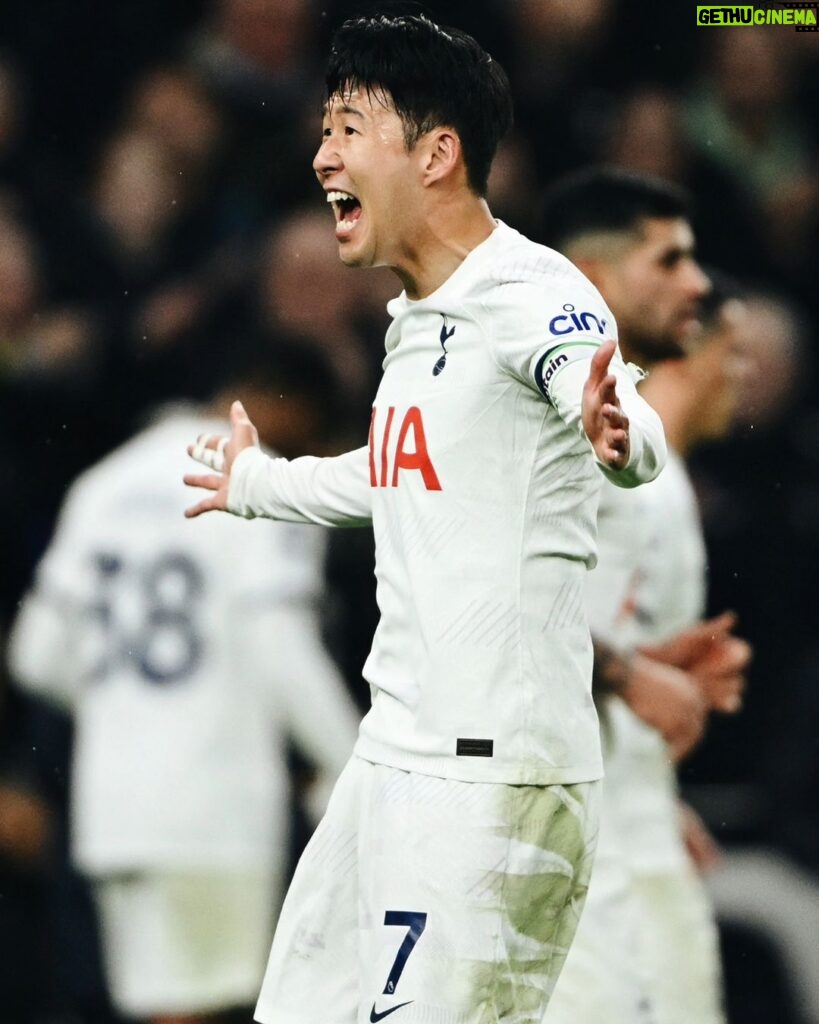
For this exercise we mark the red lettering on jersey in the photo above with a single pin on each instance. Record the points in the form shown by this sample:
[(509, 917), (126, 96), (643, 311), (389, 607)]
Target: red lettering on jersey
[(418, 459), (390, 414), (371, 446)]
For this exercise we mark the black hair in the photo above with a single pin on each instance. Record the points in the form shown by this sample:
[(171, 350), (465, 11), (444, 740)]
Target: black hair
[(603, 199), (434, 77)]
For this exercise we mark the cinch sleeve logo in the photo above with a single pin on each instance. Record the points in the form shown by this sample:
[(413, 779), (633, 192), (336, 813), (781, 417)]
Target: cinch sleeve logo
[(408, 453), (570, 321)]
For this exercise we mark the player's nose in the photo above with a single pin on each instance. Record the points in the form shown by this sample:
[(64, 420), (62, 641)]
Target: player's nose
[(327, 159), (699, 283)]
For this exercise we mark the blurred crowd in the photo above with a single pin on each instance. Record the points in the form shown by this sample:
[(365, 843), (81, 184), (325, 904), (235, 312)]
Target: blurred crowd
[(158, 211)]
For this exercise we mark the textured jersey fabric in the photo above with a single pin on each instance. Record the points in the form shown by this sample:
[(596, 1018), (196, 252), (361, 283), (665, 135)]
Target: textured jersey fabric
[(658, 580), (482, 489)]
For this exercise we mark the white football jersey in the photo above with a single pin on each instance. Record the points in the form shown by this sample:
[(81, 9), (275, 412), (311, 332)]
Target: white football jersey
[(482, 490), (188, 652), (649, 584)]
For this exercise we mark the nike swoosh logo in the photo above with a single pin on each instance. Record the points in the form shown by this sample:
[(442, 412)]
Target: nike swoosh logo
[(385, 1013)]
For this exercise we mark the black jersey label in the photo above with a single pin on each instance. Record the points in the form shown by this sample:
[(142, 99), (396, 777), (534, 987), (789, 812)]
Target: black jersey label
[(474, 748)]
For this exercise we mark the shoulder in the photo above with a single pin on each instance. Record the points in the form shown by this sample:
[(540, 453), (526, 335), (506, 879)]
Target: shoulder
[(519, 260), (152, 458), (543, 282)]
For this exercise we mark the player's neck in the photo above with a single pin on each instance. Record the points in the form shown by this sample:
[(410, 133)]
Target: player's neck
[(447, 233)]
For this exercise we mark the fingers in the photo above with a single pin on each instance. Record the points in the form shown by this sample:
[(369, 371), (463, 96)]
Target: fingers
[(600, 363), (238, 416), (210, 503), (209, 481), (727, 698), (723, 623), (209, 449), (205, 505), (616, 436)]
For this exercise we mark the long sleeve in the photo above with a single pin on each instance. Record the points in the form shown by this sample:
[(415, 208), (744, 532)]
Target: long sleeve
[(44, 652), (328, 492), (646, 436), (42, 648), (548, 343), (283, 652)]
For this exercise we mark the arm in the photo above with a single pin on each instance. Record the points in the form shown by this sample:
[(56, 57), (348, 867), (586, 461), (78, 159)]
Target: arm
[(598, 396), (664, 697), (41, 648), (283, 649), (246, 482), (44, 652)]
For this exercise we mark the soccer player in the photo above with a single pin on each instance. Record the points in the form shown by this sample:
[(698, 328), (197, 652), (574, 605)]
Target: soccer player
[(188, 655), (632, 236), (447, 876)]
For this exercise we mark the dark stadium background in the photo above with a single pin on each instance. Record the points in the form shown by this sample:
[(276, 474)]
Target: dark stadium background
[(142, 237)]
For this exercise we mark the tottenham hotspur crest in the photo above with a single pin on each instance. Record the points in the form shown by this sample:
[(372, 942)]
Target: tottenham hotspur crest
[(445, 336)]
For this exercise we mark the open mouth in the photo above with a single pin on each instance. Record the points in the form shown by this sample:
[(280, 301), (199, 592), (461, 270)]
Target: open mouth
[(346, 207)]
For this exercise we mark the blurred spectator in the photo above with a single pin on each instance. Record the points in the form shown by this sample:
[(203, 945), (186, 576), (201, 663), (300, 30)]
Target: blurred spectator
[(742, 114), (513, 190), (561, 70), (187, 657), (259, 51), (751, 493), (49, 361), (648, 136), (172, 105), (122, 279), (260, 59), (304, 287)]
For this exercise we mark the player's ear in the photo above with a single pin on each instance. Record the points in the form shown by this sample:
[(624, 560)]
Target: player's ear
[(442, 154)]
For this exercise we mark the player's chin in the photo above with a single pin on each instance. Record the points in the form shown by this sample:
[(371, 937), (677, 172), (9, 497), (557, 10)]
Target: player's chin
[(353, 252)]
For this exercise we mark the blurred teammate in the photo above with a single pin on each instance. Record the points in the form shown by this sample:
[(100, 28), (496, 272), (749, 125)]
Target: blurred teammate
[(632, 236), (446, 878), (188, 655)]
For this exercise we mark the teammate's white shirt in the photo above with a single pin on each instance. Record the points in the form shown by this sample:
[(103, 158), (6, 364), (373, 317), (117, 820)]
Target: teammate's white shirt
[(482, 497), (640, 601), (188, 652), (648, 584)]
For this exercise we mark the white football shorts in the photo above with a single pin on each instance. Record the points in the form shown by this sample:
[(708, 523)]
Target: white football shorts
[(605, 978), (431, 900), (680, 942), (177, 943)]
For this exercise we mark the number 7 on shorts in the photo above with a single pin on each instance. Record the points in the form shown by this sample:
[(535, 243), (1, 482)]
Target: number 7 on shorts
[(415, 922)]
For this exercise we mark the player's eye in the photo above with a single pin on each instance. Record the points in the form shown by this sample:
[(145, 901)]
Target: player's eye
[(326, 132)]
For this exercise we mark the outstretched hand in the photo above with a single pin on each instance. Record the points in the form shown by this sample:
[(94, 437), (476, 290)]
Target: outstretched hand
[(219, 454), (605, 423)]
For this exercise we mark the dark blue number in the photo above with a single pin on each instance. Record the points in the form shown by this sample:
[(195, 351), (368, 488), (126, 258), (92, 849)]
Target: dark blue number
[(108, 567), (415, 922), (165, 647), (171, 586)]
